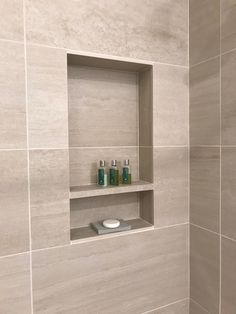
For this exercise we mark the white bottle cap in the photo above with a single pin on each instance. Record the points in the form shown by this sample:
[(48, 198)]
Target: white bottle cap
[(111, 223)]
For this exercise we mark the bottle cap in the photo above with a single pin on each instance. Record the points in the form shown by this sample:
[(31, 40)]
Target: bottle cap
[(126, 162), (113, 162), (102, 163)]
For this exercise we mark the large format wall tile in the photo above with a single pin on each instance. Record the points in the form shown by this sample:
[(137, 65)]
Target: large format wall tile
[(12, 91), (195, 308), (171, 103), (205, 103), (11, 25), (205, 187), (49, 193), (228, 301), (84, 162), (228, 98), (204, 29), (14, 220), (171, 181), (129, 274), (228, 27), (204, 268), (103, 107), (228, 217), (47, 94), (181, 307), (15, 284), (151, 30)]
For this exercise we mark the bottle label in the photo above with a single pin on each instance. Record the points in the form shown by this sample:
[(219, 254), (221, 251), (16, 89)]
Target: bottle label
[(125, 175), (114, 177), (101, 174)]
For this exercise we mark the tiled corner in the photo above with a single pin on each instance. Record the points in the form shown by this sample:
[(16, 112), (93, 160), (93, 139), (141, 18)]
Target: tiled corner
[(130, 28), (228, 92), (195, 308), (171, 105), (205, 103), (228, 301), (204, 30), (49, 191), (171, 182), (181, 307), (154, 262), (228, 217), (205, 268), (205, 187), (47, 97), (14, 208), (228, 25), (12, 91), (15, 284), (11, 25)]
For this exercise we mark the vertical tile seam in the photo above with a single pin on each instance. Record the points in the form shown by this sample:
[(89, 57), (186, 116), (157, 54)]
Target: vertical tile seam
[(189, 195), (28, 158)]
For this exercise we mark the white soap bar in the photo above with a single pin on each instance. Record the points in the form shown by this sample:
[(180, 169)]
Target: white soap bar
[(111, 223)]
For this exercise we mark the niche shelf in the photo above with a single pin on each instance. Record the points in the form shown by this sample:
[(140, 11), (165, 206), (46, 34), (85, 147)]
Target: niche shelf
[(110, 117)]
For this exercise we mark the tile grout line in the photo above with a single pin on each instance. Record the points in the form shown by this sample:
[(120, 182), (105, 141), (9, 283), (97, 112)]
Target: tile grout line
[(203, 228), (166, 305), (189, 195), (28, 159), (198, 304)]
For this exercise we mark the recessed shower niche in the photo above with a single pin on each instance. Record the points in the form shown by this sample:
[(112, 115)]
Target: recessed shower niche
[(110, 117)]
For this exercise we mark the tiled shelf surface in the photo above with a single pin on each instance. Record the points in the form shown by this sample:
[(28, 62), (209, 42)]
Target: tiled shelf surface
[(88, 234), (95, 190)]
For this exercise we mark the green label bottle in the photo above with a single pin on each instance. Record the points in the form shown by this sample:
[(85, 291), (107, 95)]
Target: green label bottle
[(102, 176), (126, 174), (114, 173)]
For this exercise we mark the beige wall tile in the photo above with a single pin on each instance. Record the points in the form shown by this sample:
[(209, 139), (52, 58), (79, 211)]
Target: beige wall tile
[(205, 187), (47, 94), (228, 92), (103, 107), (171, 181), (49, 191), (156, 30), (133, 274), (228, 214), (181, 307), (204, 29), (204, 268), (228, 22), (205, 103), (15, 284), (228, 301), (195, 308), (14, 220), (12, 101), (171, 103), (84, 162), (12, 25)]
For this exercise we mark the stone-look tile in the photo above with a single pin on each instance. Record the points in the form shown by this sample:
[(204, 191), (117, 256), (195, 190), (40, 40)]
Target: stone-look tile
[(171, 105), (15, 284), (171, 181), (87, 210), (151, 30), (205, 103), (228, 186), (84, 162), (228, 92), (129, 274), (195, 308), (103, 107), (205, 187), (49, 192), (228, 301), (146, 163), (47, 94), (204, 29), (14, 218), (204, 268), (12, 26), (181, 307), (12, 101), (228, 25)]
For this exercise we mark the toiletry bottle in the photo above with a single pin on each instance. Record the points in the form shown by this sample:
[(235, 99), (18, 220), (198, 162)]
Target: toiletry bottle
[(126, 174), (114, 173), (102, 175)]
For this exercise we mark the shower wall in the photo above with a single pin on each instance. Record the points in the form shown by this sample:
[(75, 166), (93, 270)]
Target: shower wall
[(213, 156), (40, 270)]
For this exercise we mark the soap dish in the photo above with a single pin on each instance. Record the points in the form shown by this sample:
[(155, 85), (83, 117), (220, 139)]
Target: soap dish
[(100, 229)]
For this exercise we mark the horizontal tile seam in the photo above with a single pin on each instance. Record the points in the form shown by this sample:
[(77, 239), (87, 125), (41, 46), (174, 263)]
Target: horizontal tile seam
[(69, 244), (12, 41), (205, 229), (166, 305), (191, 299)]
